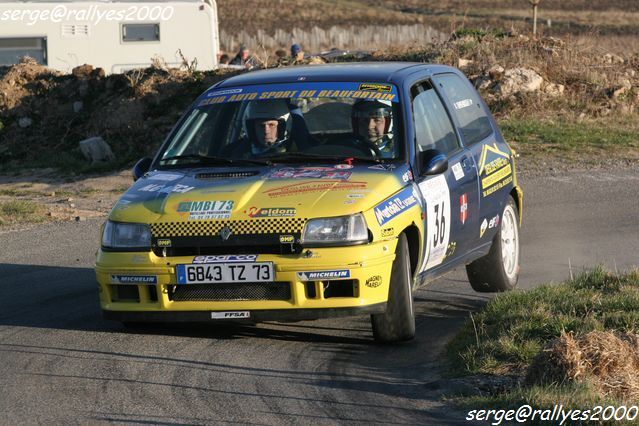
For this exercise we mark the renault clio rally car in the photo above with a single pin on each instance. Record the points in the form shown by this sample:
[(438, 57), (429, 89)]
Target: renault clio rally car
[(308, 192)]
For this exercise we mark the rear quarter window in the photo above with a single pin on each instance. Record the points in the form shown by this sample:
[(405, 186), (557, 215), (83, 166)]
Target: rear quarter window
[(467, 107)]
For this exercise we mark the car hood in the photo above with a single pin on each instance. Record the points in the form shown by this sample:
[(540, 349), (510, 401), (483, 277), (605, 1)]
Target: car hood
[(259, 192)]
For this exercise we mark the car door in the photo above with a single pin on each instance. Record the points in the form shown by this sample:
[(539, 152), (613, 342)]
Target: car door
[(487, 151), (451, 198)]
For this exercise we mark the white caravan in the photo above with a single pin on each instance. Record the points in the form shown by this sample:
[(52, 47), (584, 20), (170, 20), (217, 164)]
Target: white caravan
[(114, 35)]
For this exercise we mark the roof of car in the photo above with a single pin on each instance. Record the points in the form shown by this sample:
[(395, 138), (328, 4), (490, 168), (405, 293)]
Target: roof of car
[(391, 72)]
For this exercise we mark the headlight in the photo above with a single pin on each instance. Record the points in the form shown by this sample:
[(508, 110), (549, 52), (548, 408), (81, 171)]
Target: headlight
[(331, 230), (126, 236)]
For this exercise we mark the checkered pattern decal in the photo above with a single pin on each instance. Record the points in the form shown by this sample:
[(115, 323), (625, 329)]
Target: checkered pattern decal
[(203, 228)]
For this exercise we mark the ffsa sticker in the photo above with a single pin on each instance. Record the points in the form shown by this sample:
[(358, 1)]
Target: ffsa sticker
[(437, 196)]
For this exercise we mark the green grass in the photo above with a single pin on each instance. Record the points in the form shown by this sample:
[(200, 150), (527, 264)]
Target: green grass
[(19, 211), (570, 135), (513, 328)]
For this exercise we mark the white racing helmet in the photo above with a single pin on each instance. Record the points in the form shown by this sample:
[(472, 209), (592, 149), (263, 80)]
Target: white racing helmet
[(371, 108), (275, 109)]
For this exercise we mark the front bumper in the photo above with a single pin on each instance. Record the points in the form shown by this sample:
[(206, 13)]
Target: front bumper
[(152, 297)]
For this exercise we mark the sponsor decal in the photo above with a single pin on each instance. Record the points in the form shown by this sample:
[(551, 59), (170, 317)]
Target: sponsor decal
[(314, 186), (407, 176), (309, 173), (224, 92), (231, 315), (374, 281), (376, 87), (134, 279), (166, 189), (324, 275), (450, 250), (463, 208), (392, 207), (436, 193), (206, 210), (307, 90), (225, 258), (258, 212), (458, 171), (287, 239), (493, 222), (343, 166), (166, 177), (482, 228), (388, 232), (355, 195), (495, 170), (164, 242), (465, 103)]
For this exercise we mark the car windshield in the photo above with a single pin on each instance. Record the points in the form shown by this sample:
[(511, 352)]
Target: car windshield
[(289, 123)]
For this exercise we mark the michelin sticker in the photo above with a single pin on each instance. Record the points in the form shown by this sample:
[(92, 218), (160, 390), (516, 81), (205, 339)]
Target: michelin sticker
[(324, 275), (206, 210), (392, 207), (437, 195), (134, 279)]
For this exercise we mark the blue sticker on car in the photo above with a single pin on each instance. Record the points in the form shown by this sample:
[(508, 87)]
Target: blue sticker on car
[(395, 205)]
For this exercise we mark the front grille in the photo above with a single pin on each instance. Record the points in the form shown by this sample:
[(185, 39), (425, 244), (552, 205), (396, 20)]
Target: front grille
[(238, 227), (230, 291)]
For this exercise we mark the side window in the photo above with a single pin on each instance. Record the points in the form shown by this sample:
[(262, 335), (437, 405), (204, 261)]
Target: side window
[(140, 32), (473, 121), (433, 128)]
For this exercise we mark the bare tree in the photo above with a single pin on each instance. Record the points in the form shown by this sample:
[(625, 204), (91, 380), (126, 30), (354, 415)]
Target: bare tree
[(534, 4)]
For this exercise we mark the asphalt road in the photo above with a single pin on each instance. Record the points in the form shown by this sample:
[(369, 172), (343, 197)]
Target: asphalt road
[(60, 362)]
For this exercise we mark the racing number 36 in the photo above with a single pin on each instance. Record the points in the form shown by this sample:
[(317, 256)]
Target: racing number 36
[(440, 225)]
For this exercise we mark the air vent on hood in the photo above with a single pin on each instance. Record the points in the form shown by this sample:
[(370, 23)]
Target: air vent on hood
[(227, 175)]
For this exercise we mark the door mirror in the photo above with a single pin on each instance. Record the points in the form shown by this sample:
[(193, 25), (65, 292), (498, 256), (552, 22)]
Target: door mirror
[(141, 167), (433, 162)]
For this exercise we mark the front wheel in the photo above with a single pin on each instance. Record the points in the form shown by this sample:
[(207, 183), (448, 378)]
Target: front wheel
[(398, 322), (499, 270)]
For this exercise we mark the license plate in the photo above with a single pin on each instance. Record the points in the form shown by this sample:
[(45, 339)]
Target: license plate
[(225, 273)]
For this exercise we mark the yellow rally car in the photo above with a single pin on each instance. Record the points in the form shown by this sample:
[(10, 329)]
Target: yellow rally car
[(309, 192)]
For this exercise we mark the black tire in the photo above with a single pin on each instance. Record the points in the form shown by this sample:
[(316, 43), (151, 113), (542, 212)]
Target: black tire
[(398, 322), (493, 273)]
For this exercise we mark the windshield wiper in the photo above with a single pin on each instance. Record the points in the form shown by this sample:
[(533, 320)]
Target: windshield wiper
[(211, 160), (296, 156)]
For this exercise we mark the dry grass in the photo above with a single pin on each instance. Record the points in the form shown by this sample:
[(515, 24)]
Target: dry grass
[(603, 21), (607, 361)]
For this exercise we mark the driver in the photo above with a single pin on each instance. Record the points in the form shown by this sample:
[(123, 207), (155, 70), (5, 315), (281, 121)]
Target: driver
[(372, 123), (268, 126)]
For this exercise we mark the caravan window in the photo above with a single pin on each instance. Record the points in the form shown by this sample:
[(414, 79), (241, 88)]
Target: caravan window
[(140, 32), (12, 49)]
